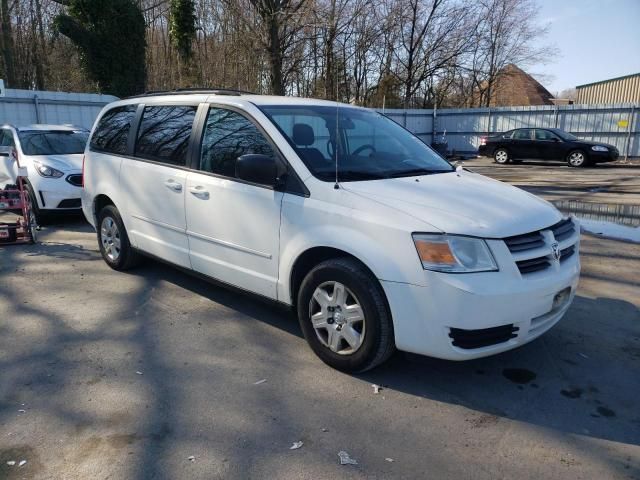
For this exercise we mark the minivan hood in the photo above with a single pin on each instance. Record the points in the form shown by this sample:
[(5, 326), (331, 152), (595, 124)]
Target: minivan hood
[(462, 202), (64, 163)]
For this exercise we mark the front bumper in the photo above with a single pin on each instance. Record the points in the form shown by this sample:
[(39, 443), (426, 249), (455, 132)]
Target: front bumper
[(458, 309), (602, 157), (57, 194)]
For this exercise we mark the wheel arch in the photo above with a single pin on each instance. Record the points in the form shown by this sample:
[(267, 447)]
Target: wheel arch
[(313, 256)]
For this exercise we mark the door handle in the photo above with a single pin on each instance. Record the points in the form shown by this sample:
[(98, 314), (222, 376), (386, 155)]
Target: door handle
[(173, 185), (199, 192)]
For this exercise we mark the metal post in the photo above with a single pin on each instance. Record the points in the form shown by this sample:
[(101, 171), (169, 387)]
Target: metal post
[(489, 122), (630, 126), (35, 105), (555, 117)]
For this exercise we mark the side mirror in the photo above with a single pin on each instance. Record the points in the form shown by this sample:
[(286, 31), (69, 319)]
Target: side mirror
[(257, 168), (554, 139)]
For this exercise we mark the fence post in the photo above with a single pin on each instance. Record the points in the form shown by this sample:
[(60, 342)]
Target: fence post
[(630, 126), (489, 122), (36, 105), (555, 117)]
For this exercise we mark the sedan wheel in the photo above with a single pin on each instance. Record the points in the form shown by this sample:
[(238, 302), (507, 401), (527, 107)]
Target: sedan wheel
[(577, 159), (501, 156)]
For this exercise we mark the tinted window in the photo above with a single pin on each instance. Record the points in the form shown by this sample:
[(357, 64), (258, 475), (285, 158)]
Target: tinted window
[(228, 135), (164, 133), (63, 142), (544, 135), (524, 134), (6, 139), (112, 132)]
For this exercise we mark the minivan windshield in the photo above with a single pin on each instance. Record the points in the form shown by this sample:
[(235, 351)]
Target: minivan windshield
[(50, 142), (366, 145)]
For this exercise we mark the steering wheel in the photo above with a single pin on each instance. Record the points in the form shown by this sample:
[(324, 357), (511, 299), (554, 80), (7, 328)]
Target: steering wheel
[(363, 148)]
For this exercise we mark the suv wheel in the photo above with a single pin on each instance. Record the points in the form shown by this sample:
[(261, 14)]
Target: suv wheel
[(577, 158), (344, 316), (501, 156), (114, 241)]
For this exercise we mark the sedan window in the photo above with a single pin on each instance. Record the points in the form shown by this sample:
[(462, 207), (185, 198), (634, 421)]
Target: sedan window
[(545, 135), (522, 134)]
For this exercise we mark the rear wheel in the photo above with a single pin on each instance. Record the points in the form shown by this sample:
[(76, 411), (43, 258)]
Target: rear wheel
[(501, 156), (344, 316), (113, 240), (577, 158)]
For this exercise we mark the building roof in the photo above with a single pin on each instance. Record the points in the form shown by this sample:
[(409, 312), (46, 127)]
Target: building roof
[(516, 87), (609, 80)]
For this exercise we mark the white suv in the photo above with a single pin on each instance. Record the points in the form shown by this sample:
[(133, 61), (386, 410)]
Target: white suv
[(335, 210), (52, 155)]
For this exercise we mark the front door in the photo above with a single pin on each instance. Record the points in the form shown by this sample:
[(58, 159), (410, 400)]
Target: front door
[(548, 145), (154, 182), (522, 144), (233, 226)]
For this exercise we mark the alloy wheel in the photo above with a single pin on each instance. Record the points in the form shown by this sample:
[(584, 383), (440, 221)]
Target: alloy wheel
[(110, 238), (502, 156), (576, 159)]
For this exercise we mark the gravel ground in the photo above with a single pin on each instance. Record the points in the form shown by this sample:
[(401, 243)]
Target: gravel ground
[(128, 375)]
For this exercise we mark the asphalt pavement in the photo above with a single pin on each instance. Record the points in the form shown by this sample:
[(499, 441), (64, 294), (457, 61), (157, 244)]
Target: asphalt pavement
[(156, 374)]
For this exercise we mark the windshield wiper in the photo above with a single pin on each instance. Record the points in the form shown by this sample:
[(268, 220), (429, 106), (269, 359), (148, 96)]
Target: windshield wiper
[(415, 172)]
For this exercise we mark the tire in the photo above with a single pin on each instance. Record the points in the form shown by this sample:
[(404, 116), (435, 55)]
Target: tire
[(501, 156), (113, 240), (577, 159), (370, 341)]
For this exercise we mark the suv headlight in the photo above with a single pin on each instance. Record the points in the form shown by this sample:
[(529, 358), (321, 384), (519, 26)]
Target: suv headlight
[(453, 253), (599, 148), (47, 171)]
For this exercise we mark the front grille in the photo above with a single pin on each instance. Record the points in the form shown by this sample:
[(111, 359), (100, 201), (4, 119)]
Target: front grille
[(565, 253), (528, 241), (533, 265), (563, 229), (522, 246), (75, 179), (70, 203), (484, 337)]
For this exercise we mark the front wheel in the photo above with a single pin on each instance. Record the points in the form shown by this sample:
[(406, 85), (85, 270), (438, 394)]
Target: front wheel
[(113, 240), (344, 316), (577, 158), (501, 156)]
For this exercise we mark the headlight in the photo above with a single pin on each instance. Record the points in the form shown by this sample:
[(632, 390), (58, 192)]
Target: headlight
[(453, 254), (47, 171), (599, 148)]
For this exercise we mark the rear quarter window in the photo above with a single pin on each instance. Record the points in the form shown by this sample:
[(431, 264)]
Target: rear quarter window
[(112, 132)]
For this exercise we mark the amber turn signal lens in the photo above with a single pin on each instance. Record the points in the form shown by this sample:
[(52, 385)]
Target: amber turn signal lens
[(435, 252)]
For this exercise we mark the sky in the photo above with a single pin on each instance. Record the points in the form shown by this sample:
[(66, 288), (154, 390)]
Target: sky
[(596, 40)]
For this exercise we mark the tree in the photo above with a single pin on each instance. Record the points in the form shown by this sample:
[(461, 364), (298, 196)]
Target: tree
[(182, 26), (6, 42), (281, 21), (110, 35)]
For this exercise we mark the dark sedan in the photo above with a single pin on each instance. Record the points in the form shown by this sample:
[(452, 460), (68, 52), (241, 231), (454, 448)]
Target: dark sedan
[(545, 144)]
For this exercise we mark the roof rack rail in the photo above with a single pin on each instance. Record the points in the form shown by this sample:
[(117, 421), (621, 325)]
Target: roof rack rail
[(180, 91)]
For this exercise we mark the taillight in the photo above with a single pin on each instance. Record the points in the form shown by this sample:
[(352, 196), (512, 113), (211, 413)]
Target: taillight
[(83, 171), (483, 140)]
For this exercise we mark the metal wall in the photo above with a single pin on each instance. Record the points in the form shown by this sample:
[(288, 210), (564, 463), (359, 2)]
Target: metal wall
[(623, 89), (618, 125), (25, 107)]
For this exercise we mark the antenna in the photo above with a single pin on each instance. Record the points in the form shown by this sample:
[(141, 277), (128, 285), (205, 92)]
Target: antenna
[(335, 149)]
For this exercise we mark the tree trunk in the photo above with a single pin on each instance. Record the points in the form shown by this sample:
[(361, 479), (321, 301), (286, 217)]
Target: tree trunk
[(7, 44)]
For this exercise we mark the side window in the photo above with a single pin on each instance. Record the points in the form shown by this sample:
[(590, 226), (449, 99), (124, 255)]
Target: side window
[(164, 133), (523, 134), (112, 132), (7, 139), (544, 135), (227, 136)]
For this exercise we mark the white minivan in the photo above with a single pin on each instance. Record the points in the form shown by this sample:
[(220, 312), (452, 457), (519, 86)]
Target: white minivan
[(337, 211)]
